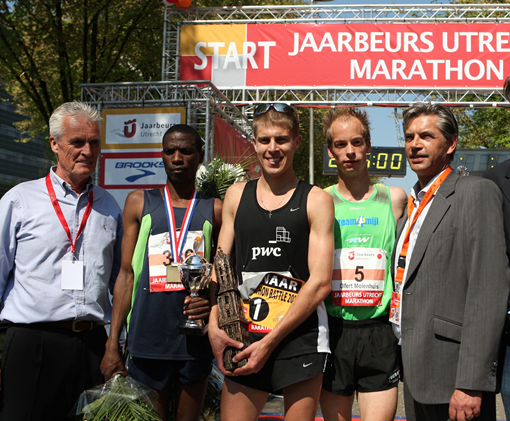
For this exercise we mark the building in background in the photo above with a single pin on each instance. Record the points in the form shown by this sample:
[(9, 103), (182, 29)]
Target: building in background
[(19, 161)]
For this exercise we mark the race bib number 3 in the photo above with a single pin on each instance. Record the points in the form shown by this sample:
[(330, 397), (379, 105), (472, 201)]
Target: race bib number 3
[(270, 301), (163, 273), (358, 277)]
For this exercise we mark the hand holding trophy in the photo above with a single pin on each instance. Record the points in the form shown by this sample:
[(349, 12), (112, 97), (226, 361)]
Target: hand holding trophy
[(195, 274)]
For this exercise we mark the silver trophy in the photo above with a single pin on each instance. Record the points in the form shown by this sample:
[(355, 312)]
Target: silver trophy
[(195, 274)]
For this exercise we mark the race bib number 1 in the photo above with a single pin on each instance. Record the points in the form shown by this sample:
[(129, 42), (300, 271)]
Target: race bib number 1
[(358, 277), (270, 301)]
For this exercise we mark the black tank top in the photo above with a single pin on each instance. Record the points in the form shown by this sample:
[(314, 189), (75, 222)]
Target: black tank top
[(280, 244), (275, 244)]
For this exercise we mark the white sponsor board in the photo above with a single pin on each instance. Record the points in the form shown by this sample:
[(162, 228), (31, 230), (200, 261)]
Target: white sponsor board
[(137, 128), (136, 170)]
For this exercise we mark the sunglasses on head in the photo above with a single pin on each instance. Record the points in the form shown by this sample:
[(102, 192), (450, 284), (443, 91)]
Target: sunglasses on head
[(280, 107)]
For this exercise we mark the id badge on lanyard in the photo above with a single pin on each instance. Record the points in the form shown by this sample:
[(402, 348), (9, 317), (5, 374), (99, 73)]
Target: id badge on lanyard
[(72, 272)]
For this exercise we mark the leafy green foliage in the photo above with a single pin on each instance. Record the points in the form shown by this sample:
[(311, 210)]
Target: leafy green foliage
[(49, 47), (124, 400), (482, 127)]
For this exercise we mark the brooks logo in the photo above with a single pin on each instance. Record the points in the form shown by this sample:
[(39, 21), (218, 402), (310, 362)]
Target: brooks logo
[(133, 178)]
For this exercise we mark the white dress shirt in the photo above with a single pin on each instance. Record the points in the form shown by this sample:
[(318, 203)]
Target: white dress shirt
[(415, 230), (34, 243)]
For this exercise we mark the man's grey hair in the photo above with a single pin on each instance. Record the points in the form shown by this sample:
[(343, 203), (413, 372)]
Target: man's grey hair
[(447, 124), (74, 109)]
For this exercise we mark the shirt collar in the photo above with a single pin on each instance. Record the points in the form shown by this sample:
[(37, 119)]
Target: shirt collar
[(421, 193), (66, 187)]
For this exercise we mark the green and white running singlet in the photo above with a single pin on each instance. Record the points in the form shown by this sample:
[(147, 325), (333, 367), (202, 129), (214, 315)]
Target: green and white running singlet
[(364, 240)]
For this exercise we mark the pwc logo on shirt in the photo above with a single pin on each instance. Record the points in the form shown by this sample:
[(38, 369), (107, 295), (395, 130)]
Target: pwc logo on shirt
[(282, 236)]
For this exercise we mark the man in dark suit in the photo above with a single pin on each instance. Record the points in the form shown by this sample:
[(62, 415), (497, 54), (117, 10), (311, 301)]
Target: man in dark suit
[(500, 174), (451, 278)]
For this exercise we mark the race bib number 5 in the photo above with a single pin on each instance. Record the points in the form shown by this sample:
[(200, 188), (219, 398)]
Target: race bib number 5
[(358, 276), (270, 301)]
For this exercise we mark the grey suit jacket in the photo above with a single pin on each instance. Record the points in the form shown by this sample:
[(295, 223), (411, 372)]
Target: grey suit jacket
[(500, 174), (455, 294)]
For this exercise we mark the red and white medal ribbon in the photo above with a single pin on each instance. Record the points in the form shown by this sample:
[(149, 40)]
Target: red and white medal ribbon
[(177, 244)]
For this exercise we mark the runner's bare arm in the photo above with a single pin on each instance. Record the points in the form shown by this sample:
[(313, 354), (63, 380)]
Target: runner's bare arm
[(398, 202), (320, 263), (218, 338), (123, 290)]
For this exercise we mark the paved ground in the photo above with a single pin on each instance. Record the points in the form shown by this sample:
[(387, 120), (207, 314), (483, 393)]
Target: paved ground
[(275, 406)]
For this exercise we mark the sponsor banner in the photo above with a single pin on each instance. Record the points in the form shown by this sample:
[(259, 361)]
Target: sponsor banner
[(137, 128), (435, 55), (133, 170)]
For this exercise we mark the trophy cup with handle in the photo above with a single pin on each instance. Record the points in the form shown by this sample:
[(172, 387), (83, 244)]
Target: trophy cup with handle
[(195, 274)]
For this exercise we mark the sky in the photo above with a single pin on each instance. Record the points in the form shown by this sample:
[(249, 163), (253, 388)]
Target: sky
[(383, 132)]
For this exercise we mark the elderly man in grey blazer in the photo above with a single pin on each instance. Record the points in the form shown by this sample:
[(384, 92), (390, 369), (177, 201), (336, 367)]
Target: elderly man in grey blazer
[(451, 278)]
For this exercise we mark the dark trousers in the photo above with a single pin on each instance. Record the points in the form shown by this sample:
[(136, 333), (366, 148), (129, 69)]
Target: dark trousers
[(416, 411), (44, 371)]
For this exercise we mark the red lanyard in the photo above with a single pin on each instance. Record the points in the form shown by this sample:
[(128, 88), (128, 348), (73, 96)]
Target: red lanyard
[(410, 207), (61, 217)]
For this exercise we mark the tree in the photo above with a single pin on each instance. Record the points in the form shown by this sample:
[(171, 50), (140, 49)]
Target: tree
[(49, 47), (483, 127)]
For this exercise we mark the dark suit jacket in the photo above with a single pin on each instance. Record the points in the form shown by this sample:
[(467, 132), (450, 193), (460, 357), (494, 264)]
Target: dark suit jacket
[(500, 174), (455, 294)]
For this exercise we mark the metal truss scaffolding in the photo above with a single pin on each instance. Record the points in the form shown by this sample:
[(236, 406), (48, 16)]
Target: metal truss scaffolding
[(201, 99), (336, 96)]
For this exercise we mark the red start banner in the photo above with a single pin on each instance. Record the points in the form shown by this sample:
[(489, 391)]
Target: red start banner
[(356, 55)]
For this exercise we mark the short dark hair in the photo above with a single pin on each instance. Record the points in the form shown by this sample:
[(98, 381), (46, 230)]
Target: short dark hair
[(184, 128), (446, 123), (506, 89), (290, 121), (344, 114)]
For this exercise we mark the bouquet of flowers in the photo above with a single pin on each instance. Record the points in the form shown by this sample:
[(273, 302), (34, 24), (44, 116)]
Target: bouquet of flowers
[(119, 399), (217, 176)]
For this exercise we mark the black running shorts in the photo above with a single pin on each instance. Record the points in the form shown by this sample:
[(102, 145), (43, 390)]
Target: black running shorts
[(364, 356), (278, 374)]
